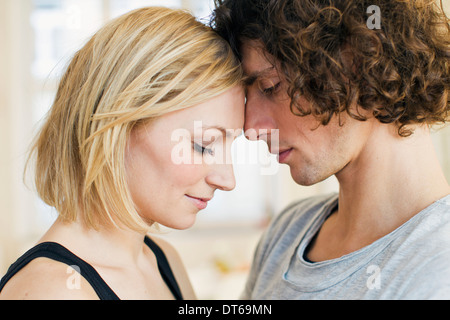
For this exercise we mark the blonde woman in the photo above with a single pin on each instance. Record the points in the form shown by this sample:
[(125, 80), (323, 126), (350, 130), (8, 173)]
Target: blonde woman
[(150, 88)]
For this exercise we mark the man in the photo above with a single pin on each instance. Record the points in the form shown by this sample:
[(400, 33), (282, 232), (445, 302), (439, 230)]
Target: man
[(352, 87)]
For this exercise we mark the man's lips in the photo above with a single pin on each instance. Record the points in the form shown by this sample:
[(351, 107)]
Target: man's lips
[(200, 203), (282, 154)]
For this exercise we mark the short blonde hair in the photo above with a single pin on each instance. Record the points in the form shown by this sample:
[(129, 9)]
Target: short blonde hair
[(140, 66)]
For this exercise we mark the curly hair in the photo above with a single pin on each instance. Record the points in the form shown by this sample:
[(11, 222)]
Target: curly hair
[(327, 52)]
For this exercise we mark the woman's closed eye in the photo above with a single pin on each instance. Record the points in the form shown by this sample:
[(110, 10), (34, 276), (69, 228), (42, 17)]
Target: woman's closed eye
[(202, 150)]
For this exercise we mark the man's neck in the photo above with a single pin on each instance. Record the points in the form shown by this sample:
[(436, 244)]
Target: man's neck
[(391, 180)]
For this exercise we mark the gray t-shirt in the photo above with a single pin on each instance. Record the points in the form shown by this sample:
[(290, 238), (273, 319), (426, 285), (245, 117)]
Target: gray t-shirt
[(412, 262)]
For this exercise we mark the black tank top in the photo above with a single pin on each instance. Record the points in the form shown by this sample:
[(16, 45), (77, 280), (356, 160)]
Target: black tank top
[(59, 253)]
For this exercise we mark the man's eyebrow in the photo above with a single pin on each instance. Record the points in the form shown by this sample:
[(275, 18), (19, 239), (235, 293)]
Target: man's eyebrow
[(252, 77)]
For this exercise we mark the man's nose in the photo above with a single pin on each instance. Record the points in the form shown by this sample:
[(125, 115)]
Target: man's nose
[(259, 120)]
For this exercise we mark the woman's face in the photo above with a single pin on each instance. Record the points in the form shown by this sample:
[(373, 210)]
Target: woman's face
[(175, 163)]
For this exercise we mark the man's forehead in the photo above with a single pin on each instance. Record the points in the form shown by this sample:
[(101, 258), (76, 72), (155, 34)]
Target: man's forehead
[(255, 62)]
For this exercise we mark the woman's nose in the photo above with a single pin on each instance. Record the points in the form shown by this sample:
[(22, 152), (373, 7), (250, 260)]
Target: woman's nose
[(222, 177)]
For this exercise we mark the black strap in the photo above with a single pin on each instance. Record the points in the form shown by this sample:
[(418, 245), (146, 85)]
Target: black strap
[(59, 253), (164, 269)]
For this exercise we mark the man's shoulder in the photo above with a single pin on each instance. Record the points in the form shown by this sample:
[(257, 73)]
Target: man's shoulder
[(284, 231), (305, 209), (431, 227), (296, 217), (429, 279), (444, 204), (421, 254)]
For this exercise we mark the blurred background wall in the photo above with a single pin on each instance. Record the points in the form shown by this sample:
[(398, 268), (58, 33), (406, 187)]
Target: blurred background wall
[(37, 39)]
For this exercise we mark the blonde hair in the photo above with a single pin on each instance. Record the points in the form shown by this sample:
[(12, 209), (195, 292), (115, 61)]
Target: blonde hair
[(138, 67)]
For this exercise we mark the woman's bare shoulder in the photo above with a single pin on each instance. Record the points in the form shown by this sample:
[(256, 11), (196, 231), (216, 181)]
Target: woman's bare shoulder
[(177, 267), (46, 279)]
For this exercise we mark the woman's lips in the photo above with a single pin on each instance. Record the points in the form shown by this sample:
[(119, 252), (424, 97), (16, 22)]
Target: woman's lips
[(200, 203)]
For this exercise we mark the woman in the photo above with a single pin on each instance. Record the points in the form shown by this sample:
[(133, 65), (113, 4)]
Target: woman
[(148, 85)]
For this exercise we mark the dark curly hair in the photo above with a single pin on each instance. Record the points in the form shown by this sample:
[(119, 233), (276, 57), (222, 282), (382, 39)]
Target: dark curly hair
[(329, 54)]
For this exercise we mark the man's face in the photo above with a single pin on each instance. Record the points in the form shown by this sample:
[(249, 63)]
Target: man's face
[(313, 152)]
